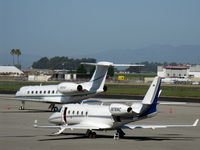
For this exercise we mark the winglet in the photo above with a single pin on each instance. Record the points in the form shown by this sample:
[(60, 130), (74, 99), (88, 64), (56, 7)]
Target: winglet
[(195, 123)]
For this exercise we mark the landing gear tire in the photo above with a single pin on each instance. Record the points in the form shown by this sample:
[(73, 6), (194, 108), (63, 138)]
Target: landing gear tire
[(54, 109), (90, 134), (21, 108), (119, 134)]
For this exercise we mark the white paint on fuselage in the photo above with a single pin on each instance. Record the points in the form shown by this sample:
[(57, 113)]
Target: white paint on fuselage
[(90, 115), (49, 94)]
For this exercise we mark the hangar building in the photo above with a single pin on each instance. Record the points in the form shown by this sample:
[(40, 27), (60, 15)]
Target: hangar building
[(10, 70), (184, 71)]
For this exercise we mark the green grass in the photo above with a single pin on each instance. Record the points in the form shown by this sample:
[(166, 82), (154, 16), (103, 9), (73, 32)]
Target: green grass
[(136, 75), (167, 91), (121, 89)]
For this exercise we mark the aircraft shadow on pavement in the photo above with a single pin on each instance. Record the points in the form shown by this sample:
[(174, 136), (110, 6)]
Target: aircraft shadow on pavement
[(71, 136)]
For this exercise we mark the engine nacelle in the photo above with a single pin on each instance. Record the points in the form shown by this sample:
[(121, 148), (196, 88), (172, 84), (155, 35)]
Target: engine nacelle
[(136, 107), (69, 87), (120, 109)]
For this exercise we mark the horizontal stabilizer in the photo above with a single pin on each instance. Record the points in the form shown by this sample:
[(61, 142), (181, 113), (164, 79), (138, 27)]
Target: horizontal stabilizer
[(105, 63)]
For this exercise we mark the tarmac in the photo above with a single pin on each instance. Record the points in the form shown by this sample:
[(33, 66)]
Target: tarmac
[(17, 131)]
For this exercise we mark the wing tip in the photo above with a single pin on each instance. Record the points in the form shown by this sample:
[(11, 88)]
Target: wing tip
[(195, 122)]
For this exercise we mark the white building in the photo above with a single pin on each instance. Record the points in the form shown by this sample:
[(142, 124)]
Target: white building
[(185, 71), (194, 71), (10, 70), (173, 71)]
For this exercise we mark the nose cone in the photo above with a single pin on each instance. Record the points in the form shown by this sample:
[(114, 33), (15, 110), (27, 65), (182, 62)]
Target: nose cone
[(56, 118)]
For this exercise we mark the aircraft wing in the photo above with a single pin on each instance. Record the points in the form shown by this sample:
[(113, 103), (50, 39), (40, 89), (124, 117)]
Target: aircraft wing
[(107, 100), (158, 126), (26, 99), (72, 127)]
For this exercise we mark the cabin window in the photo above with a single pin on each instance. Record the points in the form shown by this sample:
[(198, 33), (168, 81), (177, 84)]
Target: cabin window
[(49, 92), (73, 112), (40, 92), (44, 92), (36, 92), (77, 112), (28, 92), (32, 92), (69, 112), (53, 92), (82, 113), (86, 113)]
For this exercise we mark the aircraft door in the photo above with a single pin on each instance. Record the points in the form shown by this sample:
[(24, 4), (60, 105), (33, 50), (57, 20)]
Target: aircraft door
[(65, 115)]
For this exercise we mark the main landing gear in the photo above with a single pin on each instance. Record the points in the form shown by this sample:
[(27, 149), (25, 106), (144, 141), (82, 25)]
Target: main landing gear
[(53, 107), (119, 134), (91, 134)]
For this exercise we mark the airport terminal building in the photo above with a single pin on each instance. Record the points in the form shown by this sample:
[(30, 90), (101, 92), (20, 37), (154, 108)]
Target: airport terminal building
[(182, 72)]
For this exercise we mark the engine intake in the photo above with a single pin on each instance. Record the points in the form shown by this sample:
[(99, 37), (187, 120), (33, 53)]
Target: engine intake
[(79, 88), (105, 88)]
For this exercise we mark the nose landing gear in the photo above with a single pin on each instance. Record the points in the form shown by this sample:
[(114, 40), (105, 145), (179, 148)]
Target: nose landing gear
[(22, 106), (53, 107)]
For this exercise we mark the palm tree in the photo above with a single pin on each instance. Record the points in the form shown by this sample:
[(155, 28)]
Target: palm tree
[(12, 52), (18, 53)]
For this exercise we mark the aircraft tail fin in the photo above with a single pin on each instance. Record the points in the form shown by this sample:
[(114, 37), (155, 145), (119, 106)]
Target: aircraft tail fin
[(96, 83), (153, 92), (151, 98)]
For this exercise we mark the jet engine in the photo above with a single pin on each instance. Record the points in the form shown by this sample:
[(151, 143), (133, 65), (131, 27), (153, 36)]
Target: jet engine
[(69, 87), (105, 88), (120, 109)]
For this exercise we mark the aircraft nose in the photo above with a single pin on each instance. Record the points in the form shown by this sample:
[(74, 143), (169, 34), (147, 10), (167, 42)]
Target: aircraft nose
[(56, 118)]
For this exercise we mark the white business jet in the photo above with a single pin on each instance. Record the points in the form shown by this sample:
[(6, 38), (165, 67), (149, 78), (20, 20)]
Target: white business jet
[(67, 92), (115, 116)]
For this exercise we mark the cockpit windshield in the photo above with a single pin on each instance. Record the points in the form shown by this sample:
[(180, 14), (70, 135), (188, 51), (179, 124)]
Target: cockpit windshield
[(59, 110)]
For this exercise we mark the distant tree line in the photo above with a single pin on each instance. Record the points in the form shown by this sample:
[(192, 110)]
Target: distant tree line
[(68, 64), (58, 62), (150, 67)]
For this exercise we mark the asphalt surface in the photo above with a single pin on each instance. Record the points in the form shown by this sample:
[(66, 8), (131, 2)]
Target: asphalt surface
[(17, 132)]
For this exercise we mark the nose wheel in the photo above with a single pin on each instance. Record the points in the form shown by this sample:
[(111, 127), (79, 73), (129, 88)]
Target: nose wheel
[(22, 107), (53, 108)]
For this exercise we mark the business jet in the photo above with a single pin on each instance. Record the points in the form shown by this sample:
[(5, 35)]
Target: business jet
[(67, 92), (115, 116)]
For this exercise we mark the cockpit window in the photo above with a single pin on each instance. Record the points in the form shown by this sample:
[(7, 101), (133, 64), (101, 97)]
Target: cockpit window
[(59, 110)]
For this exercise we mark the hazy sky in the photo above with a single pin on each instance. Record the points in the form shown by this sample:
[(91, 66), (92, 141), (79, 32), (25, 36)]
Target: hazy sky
[(72, 27)]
